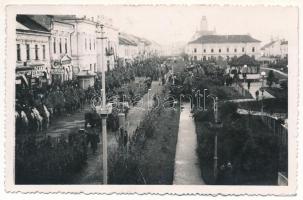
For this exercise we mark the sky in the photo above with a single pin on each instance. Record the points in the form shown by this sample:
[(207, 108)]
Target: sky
[(172, 24)]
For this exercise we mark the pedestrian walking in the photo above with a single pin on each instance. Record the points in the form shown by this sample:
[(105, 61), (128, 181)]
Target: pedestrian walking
[(257, 95)]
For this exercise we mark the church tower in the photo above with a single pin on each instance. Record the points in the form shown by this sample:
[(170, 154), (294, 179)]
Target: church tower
[(203, 24)]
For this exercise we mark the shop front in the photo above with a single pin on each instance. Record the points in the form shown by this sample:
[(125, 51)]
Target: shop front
[(33, 75), (61, 70)]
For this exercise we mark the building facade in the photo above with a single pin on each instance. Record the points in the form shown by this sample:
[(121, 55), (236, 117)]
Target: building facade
[(32, 46), (60, 53), (222, 47), (275, 48)]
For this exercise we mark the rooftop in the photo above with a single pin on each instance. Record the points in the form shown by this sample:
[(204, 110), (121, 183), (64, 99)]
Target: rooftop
[(206, 39), (24, 22)]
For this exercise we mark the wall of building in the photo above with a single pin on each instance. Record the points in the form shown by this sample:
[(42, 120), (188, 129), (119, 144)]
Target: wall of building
[(84, 45), (32, 39), (224, 50)]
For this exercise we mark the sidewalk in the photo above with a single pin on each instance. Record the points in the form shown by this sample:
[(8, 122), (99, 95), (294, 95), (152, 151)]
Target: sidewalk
[(254, 86), (187, 171)]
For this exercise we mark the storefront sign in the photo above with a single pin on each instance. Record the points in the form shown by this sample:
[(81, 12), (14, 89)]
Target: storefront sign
[(65, 62), (56, 63), (57, 71), (37, 73)]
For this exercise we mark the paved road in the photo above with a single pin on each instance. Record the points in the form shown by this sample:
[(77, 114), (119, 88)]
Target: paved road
[(187, 171)]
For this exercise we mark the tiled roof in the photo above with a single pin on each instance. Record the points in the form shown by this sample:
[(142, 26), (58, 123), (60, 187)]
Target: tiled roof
[(206, 39), (268, 45), (30, 24), (125, 39)]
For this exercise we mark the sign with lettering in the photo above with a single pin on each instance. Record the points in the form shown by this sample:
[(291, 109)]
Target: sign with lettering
[(57, 71)]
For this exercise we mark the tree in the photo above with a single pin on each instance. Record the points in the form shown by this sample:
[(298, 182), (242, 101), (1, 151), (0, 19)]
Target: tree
[(270, 78)]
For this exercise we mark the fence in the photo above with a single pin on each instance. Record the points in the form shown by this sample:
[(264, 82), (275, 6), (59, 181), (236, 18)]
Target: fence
[(274, 124), (241, 90)]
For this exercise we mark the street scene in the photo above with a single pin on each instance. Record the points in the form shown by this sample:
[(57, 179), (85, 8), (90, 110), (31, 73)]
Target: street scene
[(151, 96)]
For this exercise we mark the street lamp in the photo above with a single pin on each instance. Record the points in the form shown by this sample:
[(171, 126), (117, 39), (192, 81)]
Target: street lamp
[(216, 125), (204, 100)]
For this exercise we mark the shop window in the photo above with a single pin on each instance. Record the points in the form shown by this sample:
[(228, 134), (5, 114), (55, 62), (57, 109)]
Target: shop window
[(36, 52), (60, 46), (18, 52), (27, 52), (43, 51)]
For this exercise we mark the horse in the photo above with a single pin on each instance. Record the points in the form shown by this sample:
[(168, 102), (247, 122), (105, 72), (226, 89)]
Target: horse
[(45, 115), (37, 119)]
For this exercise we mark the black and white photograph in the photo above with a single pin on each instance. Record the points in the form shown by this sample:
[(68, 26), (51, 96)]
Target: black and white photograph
[(153, 95)]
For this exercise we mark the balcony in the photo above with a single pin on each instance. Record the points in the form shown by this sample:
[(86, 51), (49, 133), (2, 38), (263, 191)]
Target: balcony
[(109, 51)]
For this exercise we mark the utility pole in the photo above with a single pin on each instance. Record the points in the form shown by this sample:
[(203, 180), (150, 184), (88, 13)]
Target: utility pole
[(216, 139), (102, 109)]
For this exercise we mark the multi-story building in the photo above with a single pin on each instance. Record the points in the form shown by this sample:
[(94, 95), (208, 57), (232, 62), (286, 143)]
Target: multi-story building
[(60, 46), (32, 45), (222, 47), (128, 48), (83, 48), (275, 48)]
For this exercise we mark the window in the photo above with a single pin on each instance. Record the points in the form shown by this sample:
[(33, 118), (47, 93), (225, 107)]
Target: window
[(243, 49), (212, 50), (235, 50), (219, 50), (195, 50), (204, 50), (18, 52), (90, 67), (195, 57), (36, 52), (27, 52), (253, 49), (60, 46), (43, 51), (90, 44), (85, 44), (227, 49), (65, 45), (95, 67), (55, 45)]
